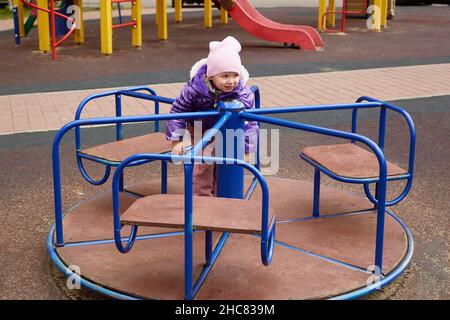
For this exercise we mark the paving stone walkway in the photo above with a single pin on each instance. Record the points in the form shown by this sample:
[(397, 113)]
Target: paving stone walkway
[(51, 110)]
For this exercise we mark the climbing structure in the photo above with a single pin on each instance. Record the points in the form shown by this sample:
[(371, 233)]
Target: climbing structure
[(107, 27), (52, 23), (46, 14), (377, 12)]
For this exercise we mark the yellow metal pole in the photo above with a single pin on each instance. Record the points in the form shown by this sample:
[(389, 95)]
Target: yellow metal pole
[(162, 19), (178, 12), (208, 13), (43, 26), (322, 22), (376, 20), (384, 12), (106, 26), (19, 5), (332, 16), (79, 31), (136, 31), (223, 16)]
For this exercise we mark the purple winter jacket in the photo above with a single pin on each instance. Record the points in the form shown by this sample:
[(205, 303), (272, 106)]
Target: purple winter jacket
[(197, 96)]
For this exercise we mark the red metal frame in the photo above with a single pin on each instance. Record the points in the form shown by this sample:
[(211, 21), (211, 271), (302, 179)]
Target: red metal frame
[(126, 24), (343, 14), (54, 13)]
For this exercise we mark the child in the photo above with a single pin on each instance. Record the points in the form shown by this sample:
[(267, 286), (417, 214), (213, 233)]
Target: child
[(219, 77)]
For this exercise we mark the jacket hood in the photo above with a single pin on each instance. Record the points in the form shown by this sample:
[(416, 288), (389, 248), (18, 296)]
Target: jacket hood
[(244, 75)]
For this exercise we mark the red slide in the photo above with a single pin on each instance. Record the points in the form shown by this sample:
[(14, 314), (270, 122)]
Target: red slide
[(249, 19)]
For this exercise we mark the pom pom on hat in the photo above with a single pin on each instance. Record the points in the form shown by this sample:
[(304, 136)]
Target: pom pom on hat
[(223, 57)]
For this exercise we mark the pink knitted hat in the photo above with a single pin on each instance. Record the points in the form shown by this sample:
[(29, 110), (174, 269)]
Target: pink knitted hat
[(223, 57)]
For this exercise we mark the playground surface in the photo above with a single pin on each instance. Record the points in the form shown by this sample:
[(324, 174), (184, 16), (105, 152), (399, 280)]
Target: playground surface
[(408, 64), (417, 35)]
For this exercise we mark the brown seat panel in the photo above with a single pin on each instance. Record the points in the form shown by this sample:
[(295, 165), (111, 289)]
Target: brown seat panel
[(349, 160), (209, 213), (119, 150)]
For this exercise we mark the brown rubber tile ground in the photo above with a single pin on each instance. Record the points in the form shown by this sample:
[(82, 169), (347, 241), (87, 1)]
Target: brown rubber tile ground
[(27, 200)]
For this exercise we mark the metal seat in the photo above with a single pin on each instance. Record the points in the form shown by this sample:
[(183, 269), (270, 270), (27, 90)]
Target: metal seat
[(348, 163), (117, 151), (348, 160), (209, 213)]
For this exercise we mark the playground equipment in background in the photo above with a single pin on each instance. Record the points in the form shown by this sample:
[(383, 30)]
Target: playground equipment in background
[(106, 25), (198, 2), (358, 5), (381, 10), (324, 248), (57, 21), (243, 12), (253, 22), (51, 23), (31, 19), (161, 15)]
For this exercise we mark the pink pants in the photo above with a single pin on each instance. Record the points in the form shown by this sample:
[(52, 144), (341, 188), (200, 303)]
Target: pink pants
[(205, 176)]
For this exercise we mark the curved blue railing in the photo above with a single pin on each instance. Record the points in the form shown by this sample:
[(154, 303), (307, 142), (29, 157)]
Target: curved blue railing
[(267, 236), (359, 104), (132, 92), (349, 136), (100, 121), (381, 142)]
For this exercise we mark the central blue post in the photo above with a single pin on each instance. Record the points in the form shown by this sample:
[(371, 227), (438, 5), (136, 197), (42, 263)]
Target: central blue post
[(230, 178), (230, 184)]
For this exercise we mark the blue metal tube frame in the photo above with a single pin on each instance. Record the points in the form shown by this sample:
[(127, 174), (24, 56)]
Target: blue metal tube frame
[(16, 25), (257, 94), (128, 92), (344, 106), (381, 139), (188, 230), (119, 132), (267, 236), (230, 179), (103, 161), (350, 136), (210, 133), (92, 181), (163, 177), (354, 121), (371, 103), (99, 121), (359, 104), (316, 202), (381, 142), (351, 180), (214, 255), (193, 152)]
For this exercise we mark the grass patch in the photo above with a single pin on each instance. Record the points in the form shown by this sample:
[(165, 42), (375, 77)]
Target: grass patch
[(6, 14)]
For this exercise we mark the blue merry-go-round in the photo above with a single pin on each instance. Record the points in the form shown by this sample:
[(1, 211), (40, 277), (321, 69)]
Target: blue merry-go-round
[(260, 238)]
